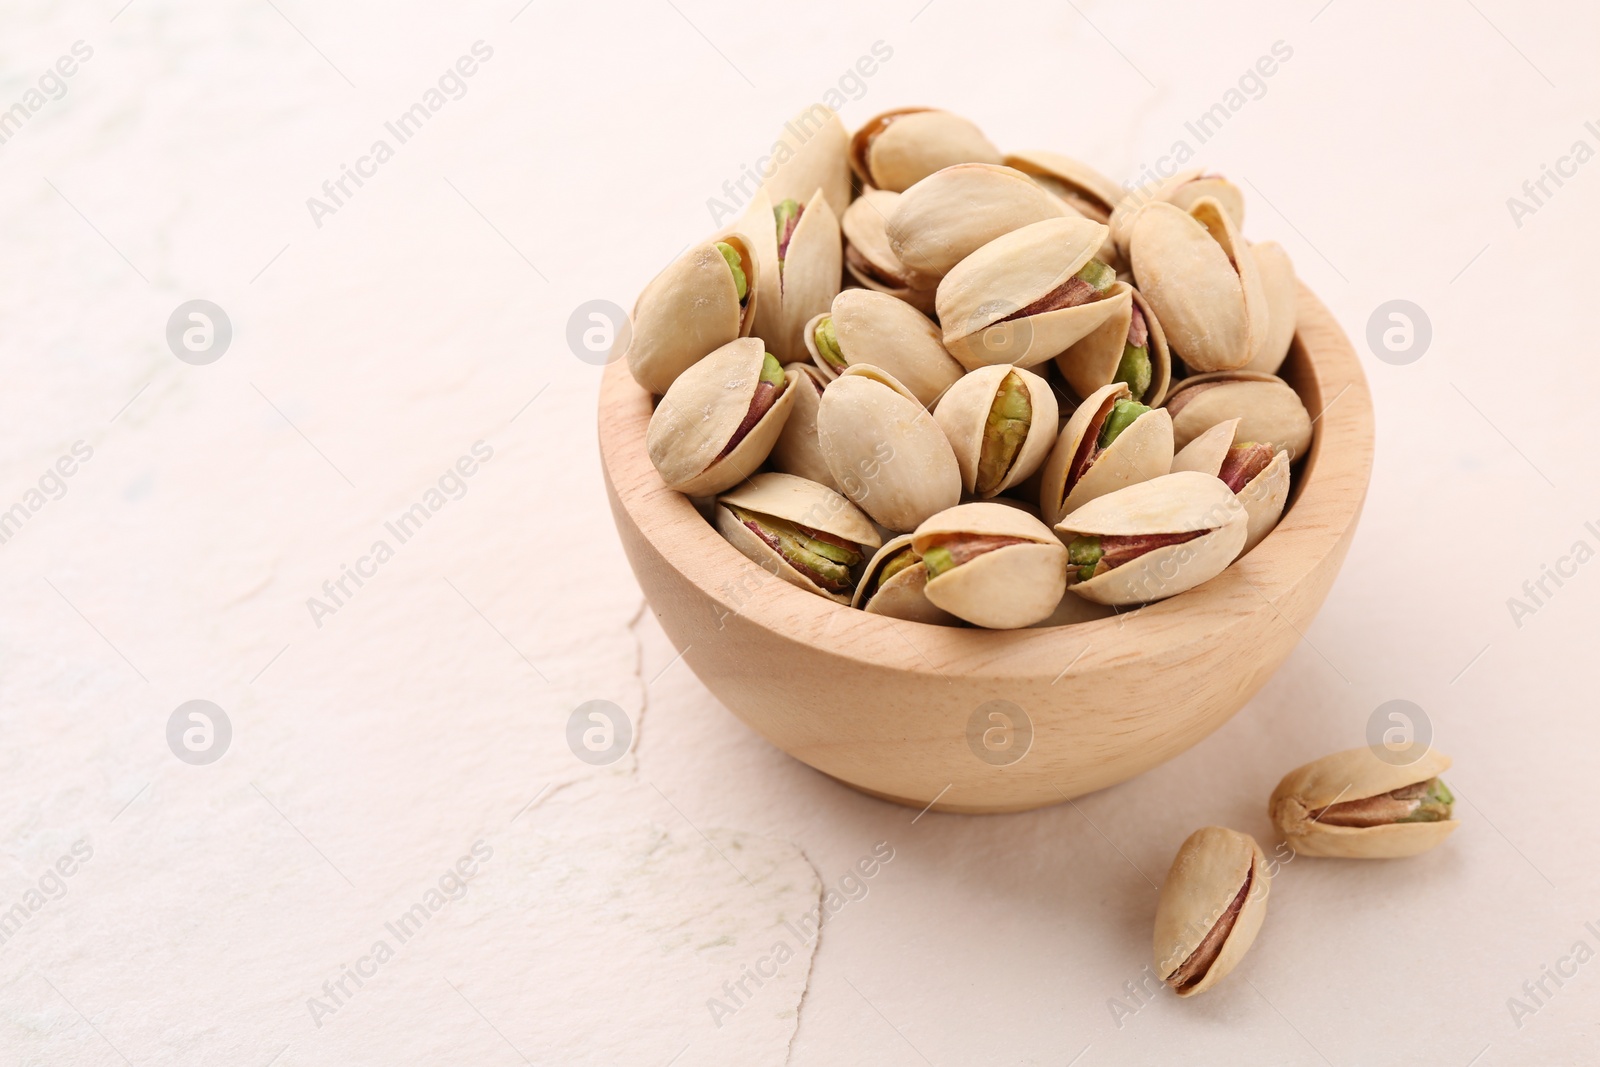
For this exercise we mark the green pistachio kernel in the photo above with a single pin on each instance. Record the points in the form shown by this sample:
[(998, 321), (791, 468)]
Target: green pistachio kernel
[(1084, 553), (1435, 803), (1134, 370), (731, 254), (828, 343), (902, 559), (938, 560), (1006, 429), (771, 370), (832, 562), (1123, 412), (784, 214), (1097, 274)]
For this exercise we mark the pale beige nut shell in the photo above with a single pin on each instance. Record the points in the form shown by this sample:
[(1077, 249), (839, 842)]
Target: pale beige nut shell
[(1268, 410), (1205, 877), (812, 154), (902, 596), (1278, 282), (963, 414), (1202, 282), (758, 229), (863, 226), (1263, 496), (784, 496), (1005, 588), (797, 450), (1355, 774), (703, 409), (879, 330), (1075, 609), (1088, 192), (1172, 503), (810, 504), (1010, 273), (896, 149), (1092, 362), (1140, 452), (935, 224), (1181, 190), (885, 450), (810, 277), (689, 310)]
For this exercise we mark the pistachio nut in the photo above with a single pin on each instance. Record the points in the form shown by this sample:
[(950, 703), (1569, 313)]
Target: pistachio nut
[(1081, 187), (991, 565), (864, 326), (1212, 904), (803, 532), (1181, 190), (885, 450), (1129, 347), (719, 420), (893, 585), (1257, 474), (707, 297), (800, 264), (934, 226), (1001, 422), (812, 154), (868, 259), (1358, 805), (1201, 280), (899, 148), (1154, 539), (1026, 296), (1110, 442), (1278, 282), (797, 450), (1267, 409)]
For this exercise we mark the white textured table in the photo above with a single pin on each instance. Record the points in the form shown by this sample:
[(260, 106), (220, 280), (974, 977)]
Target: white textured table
[(398, 859)]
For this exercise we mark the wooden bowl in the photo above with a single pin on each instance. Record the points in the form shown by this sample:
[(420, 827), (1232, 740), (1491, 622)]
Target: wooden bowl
[(971, 720)]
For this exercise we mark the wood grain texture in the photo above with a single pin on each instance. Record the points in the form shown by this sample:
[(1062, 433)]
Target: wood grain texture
[(885, 705)]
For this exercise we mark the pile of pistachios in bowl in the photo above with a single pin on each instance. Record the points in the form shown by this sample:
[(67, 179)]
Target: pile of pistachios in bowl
[(937, 382)]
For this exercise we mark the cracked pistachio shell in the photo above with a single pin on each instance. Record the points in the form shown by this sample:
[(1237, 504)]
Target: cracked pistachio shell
[(815, 153), (703, 410), (1355, 775), (1201, 280), (1140, 452), (1171, 504), (1011, 273), (1278, 282), (885, 450), (938, 222), (1084, 189), (1209, 872), (1005, 588), (877, 329), (690, 309), (797, 450), (1092, 362), (901, 595), (785, 496), (810, 277), (868, 259), (963, 414), (1263, 496), (1180, 190), (897, 149), (1268, 410)]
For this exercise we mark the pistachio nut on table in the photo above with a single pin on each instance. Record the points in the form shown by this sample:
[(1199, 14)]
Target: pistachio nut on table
[(937, 382)]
